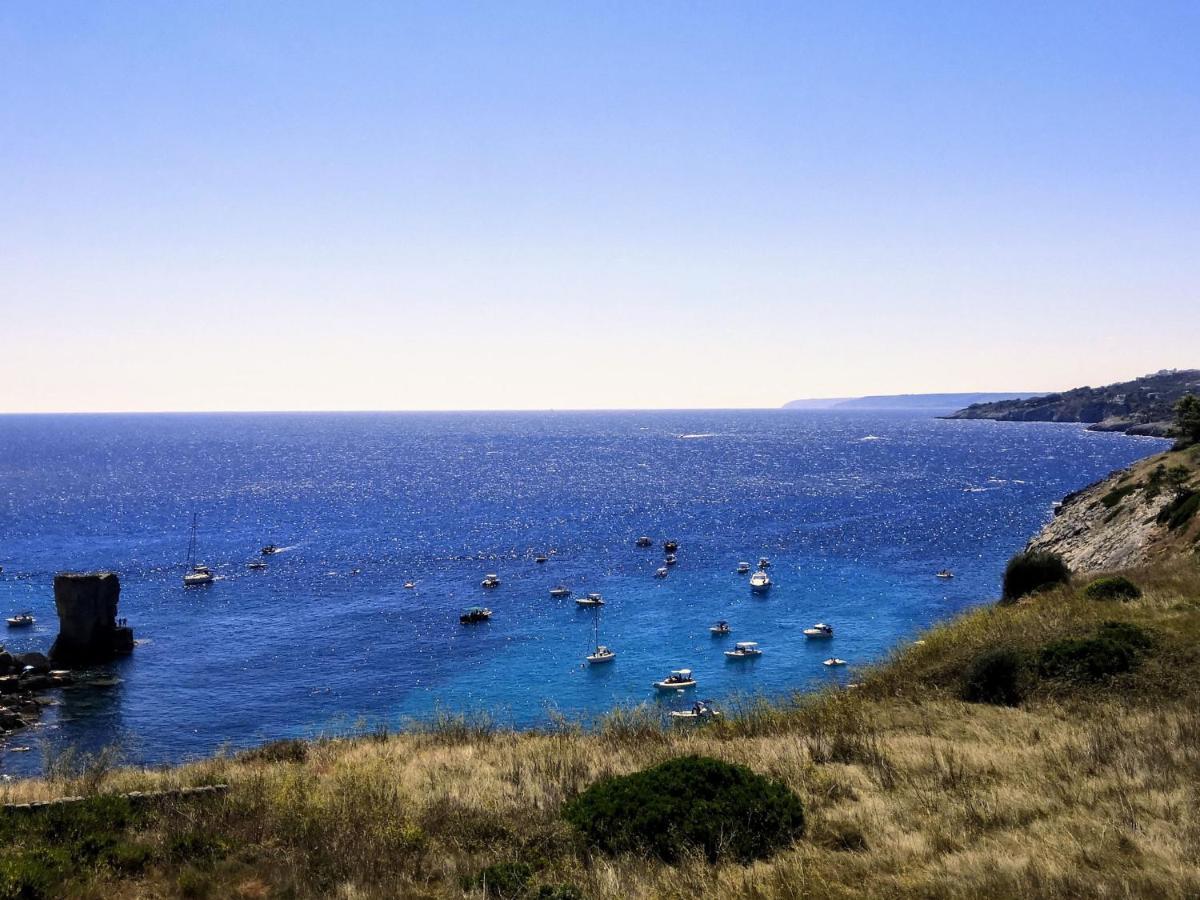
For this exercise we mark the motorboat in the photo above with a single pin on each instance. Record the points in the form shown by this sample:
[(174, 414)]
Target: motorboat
[(257, 564), (490, 580), (743, 650), (670, 559), (409, 585), (660, 572), (602, 654), (760, 581), (539, 559), (820, 630), (835, 661), (21, 620), (701, 709), (560, 590), (764, 563), (269, 550), (670, 546), (721, 628), (945, 573), (643, 541), (197, 573), (678, 680), (743, 568), (475, 614), (590, 600)]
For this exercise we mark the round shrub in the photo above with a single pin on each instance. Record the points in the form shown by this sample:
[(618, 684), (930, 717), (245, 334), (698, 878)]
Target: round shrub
[(1133, 637), (1033, 571), (1118, 587), (1086, 660), (689, 802), (996, 677)]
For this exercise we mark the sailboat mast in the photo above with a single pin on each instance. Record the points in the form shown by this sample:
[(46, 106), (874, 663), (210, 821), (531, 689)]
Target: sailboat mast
[(191, 557)]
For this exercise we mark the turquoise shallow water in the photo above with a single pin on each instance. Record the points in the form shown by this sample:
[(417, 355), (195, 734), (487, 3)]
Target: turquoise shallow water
[(855, 510)]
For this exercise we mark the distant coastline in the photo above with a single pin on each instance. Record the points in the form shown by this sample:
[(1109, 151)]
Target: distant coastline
[(931, 402)]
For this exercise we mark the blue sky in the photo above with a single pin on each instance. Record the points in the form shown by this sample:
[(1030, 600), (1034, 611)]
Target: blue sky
[(528, 205)]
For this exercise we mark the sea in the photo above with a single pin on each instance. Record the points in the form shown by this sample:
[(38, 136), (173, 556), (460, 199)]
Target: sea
[(856, 511)]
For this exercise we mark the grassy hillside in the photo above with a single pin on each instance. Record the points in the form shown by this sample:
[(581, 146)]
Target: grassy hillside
[(1088, 788)]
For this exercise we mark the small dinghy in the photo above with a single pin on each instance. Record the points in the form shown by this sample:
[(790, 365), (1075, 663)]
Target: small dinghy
[(409, 585), (671, 559), (475, 614), (820, 630), (743, 650), (269, 550), (661, 572), (257, 565), (670, 546), (945, 573), (539, 559), (743, 568), (678, 680), (560, 590), (835, 661), (764, 563), (590, 600), (721, 628), (490, 580), (643, 541), (21, 620)]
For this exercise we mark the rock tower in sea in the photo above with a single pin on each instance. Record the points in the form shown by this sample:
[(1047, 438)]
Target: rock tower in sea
[(87, 619)]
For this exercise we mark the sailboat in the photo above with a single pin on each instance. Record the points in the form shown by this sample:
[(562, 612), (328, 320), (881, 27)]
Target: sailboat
[(602, 654), (197, 573)]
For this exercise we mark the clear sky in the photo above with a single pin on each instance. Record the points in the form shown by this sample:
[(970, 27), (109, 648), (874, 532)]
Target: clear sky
[(299, 205)]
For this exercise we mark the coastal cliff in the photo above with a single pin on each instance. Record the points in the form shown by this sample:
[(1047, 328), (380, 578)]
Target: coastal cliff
[(1144, 406), (1134, 517)]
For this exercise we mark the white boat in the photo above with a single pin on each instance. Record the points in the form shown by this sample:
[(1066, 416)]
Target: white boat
[(602, 654), (677, 681), (661, 572), (590, 600), (760, 581), (490, 580), (197, 573), (835, 661), (820, 630), (257, 565), (764, 563), (269, 550), (644, 541), (722, 627), (409, 585), (743, 568), (540, 559), (701, 709), (743, 650), (945, 573), (670, 559), (21, 620), (560, 590)]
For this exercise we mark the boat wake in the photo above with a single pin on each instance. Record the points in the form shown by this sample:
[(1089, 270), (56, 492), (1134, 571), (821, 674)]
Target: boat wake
[(693, 437)]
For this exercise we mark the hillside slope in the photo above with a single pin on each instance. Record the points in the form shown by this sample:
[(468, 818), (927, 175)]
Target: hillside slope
[(1130, 518), (1142, 406)]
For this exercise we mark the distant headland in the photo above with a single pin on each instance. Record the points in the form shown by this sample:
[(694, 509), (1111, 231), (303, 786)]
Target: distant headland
[(931, 402), (1143, 406)]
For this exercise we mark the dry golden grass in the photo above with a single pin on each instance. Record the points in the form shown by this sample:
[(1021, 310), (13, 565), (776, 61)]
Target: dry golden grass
[(908, 792)]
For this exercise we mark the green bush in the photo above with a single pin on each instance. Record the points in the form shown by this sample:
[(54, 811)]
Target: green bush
[(287, 750), (1116, 495), (1180, 510), (506, 880), (1085, 660), (1134, 637), (692, 801), (996, 677), (1034, 571), (1117, 587)]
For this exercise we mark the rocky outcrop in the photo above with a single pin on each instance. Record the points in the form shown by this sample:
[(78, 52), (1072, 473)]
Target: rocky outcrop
[(1116, 523), (87, 619)]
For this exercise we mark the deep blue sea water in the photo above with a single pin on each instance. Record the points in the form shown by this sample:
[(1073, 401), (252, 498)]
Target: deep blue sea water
[(855, 510)]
